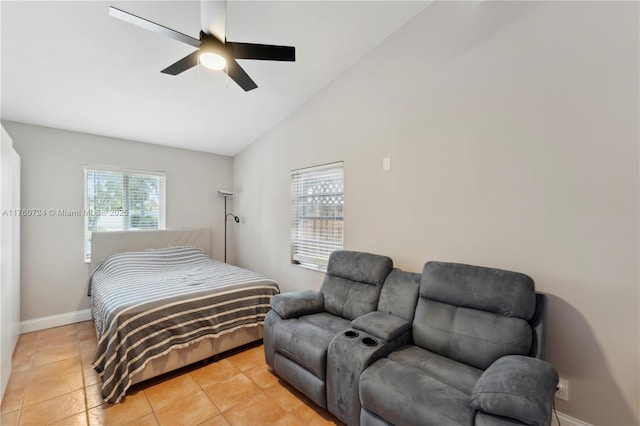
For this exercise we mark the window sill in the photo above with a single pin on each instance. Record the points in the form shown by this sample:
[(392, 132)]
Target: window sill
[(316, 268)]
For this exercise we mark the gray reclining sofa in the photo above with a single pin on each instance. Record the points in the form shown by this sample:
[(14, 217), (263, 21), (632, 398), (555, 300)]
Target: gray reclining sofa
[(455, 345)]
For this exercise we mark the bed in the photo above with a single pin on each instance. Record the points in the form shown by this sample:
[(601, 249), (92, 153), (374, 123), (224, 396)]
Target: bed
[(160, 302)]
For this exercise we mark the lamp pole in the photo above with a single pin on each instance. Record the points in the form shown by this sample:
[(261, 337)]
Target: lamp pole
[(225, 229), (227, 194)]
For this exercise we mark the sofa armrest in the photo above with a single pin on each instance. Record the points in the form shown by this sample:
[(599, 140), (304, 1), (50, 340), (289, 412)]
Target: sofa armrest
[(518, 387), (297, 303), (381, 324)]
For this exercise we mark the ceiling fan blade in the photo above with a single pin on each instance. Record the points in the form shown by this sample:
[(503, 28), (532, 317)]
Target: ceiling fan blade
[(267, 52), (152, 26), (183, 64), (235, 71), (213, 15)]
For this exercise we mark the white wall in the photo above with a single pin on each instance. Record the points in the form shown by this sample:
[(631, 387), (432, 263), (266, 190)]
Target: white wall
[(54, 275), (512, 129), (9, 256)]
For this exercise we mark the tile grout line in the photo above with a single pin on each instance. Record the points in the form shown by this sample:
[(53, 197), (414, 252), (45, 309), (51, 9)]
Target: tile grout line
[(212, 401), (243, 362), (84, 382), (24, 391), (31, 369), (153, 410), (229, 408)]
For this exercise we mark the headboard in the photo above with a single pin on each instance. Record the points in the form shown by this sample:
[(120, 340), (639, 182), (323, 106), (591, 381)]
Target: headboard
[(104, 244)]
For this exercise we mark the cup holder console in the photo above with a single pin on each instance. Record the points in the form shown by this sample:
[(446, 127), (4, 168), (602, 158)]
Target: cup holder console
[(368, 341)]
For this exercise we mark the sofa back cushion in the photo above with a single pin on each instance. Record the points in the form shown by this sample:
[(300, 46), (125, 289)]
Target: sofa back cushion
[(353, 281), (399, 294), (474, 314)]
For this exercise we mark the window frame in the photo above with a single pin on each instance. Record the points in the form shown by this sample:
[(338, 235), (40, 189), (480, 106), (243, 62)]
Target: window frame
[(126, 173), (317, 263)]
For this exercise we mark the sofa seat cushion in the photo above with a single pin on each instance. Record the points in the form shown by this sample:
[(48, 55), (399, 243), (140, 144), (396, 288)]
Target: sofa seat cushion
[(331, 323), (415, 386), (305, 340), (453, 373)]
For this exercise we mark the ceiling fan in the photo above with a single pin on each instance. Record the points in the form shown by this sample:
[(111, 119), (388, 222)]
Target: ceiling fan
[(214, 51)]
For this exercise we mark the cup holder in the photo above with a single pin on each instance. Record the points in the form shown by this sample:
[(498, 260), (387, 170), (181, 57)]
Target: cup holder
[(368, 341), (351, 334)]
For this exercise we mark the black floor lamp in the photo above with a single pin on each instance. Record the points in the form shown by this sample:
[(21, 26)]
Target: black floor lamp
[(227, 194)]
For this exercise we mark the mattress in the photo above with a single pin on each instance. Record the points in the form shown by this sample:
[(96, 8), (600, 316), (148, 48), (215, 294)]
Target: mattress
[(147, 303)]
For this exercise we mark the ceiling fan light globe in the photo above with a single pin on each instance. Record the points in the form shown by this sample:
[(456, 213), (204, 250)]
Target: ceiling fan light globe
[(213, 61)]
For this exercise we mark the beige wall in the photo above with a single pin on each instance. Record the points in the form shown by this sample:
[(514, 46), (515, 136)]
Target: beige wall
[(54, 275), (512, 129)]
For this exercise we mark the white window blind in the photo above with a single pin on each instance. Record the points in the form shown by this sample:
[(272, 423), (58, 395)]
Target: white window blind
[(317, 195), (122, 199)]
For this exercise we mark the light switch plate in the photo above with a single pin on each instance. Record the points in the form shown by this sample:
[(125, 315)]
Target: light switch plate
[(386, 164)]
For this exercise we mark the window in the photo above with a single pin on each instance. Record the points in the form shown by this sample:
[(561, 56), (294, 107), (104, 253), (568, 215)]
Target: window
[(121, 200), (317, 195)]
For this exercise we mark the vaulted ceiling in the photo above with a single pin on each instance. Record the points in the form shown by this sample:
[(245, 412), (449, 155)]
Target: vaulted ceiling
[(70, 65)]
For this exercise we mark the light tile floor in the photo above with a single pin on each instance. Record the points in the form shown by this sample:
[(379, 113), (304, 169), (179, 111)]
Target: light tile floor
[(52, 382)]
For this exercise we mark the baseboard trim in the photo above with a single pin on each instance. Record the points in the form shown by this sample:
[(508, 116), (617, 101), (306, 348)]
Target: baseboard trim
[(42, 323), (566, 420)]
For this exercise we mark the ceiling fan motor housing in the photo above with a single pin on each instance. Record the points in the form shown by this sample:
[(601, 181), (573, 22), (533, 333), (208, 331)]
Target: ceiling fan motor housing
[(210, 43)]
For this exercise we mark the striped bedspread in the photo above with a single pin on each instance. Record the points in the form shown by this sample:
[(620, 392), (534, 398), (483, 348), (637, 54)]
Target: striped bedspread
[(147, 303)]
